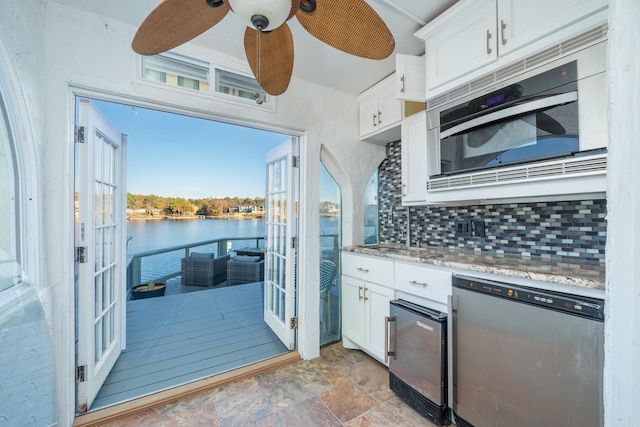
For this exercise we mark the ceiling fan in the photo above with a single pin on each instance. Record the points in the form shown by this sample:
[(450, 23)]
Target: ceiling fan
[(351, 26)]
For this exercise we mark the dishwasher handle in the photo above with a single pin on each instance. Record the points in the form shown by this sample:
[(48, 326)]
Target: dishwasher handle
[(387, 324)]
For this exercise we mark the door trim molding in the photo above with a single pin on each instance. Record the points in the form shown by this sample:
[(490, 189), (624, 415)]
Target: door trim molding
[(180, 392)]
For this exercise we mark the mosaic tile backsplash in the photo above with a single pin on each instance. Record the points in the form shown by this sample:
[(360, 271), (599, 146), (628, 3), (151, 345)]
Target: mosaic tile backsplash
[(559, 230)]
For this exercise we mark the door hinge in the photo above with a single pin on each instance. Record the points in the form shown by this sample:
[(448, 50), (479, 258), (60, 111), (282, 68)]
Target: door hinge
[(80, 374), (295, 161), (79, 136), (293, 323), (81, 252), (294, 242)]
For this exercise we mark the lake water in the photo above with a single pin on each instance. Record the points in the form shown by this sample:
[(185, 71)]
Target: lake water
[(153, 235)]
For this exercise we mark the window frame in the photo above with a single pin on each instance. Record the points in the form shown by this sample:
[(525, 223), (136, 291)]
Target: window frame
[(208, 86), (12, 271)]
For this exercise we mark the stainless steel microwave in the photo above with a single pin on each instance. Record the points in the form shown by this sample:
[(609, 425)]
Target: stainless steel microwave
[(553, 111)]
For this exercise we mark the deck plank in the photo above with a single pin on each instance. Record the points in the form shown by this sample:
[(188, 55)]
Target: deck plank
[(181, 338)]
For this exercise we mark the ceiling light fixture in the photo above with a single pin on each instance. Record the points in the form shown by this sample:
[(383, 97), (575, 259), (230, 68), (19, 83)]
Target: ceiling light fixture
[(263, 15)]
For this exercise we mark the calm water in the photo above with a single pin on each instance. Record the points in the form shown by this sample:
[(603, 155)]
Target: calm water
[(152, 235)]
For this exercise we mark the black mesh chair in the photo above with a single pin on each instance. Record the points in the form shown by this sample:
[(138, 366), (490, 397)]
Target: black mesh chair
[(328, 270)]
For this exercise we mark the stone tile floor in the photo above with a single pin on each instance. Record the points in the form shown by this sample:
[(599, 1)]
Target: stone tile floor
[(340, 388)]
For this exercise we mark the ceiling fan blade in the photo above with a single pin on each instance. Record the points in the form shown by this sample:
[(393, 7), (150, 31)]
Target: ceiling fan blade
[(175, 22), (270, 57), (350, 26)]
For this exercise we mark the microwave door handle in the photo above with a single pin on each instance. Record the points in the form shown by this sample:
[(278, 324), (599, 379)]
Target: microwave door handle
[(516, 110)]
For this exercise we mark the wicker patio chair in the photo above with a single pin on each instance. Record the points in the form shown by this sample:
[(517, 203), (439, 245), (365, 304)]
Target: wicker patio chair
[(202, 269), (244, 269)]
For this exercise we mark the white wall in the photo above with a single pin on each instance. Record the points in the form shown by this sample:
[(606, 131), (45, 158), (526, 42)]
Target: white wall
[(88, 51), (56, 52), (622, 324)]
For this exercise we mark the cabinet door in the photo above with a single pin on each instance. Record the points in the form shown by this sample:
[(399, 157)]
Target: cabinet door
[(389, 106), (411, 80), (353, 310), (376, 309), (463, 45), (414, 159), (523, 22), (368, 114)]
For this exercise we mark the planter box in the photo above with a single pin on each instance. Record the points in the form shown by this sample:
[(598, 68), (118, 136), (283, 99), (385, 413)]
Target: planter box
[(141, 292)]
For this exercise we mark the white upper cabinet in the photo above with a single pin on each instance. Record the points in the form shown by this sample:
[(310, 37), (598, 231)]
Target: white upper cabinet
[(465, 45), (523, 22), (414, 159), (478, 36), (380, 112), (410, 78)]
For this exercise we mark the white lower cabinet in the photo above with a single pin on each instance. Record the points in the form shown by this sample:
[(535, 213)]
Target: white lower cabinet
[(376, 309), (353, 310), (364, 308), (365, 304)]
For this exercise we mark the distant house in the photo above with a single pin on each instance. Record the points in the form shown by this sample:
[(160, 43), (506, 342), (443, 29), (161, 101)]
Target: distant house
[(245, 208)]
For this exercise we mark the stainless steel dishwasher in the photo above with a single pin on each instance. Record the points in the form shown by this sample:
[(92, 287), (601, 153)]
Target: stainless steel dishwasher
[(525, 357), (417, 364)]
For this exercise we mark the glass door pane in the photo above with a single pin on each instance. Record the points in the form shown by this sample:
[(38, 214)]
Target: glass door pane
[(330, 225)]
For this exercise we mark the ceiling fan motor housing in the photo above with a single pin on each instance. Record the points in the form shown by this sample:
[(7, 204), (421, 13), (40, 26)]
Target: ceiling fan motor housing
[(260, 22), (264, 15)]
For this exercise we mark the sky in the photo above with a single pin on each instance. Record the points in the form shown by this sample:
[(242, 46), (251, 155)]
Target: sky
[(172, 155)]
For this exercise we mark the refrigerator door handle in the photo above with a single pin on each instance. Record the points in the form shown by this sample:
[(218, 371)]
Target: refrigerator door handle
[(387, 325)]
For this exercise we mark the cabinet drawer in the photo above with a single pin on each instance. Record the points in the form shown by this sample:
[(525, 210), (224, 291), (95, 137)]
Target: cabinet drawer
[(375, 270), (423, 281)]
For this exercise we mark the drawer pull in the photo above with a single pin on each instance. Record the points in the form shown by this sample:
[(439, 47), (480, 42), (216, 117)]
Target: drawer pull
[(414, 283), (364, 270)]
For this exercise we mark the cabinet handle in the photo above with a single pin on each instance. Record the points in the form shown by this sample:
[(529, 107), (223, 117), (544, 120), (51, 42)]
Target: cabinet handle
[(365, 293), (374, 121), (423, 284), (379, 117), (364, 270), (502, 28), (402, 80), (488, 45), (387, 325), (359, 293)]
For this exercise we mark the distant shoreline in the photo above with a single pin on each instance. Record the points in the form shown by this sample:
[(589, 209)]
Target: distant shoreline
[(195, 217), (234, 215)]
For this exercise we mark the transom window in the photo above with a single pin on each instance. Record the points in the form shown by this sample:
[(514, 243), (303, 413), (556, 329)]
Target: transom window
[(177, 70), (190, 73), (242, 86)]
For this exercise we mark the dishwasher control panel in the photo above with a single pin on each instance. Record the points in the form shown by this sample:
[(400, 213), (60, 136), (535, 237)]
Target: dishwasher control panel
[(581, 306)]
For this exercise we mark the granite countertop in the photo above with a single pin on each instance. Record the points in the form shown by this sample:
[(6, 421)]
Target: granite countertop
[(572, 273)]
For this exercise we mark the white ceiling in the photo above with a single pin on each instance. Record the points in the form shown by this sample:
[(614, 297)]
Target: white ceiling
[(314, 60)]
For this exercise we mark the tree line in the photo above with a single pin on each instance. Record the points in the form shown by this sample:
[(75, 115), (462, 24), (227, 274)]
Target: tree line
[(210, 206)]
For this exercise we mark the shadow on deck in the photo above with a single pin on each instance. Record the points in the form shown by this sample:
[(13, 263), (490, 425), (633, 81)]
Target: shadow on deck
[(189, 334)]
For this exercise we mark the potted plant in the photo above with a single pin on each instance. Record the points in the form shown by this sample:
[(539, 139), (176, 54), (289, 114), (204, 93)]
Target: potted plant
[(148, 290)]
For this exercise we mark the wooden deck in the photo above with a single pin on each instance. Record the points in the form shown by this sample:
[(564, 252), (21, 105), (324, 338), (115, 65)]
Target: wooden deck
[(184, 337)]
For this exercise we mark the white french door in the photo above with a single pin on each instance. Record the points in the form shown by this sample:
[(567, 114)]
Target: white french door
[(100, 249), (281, 224)]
